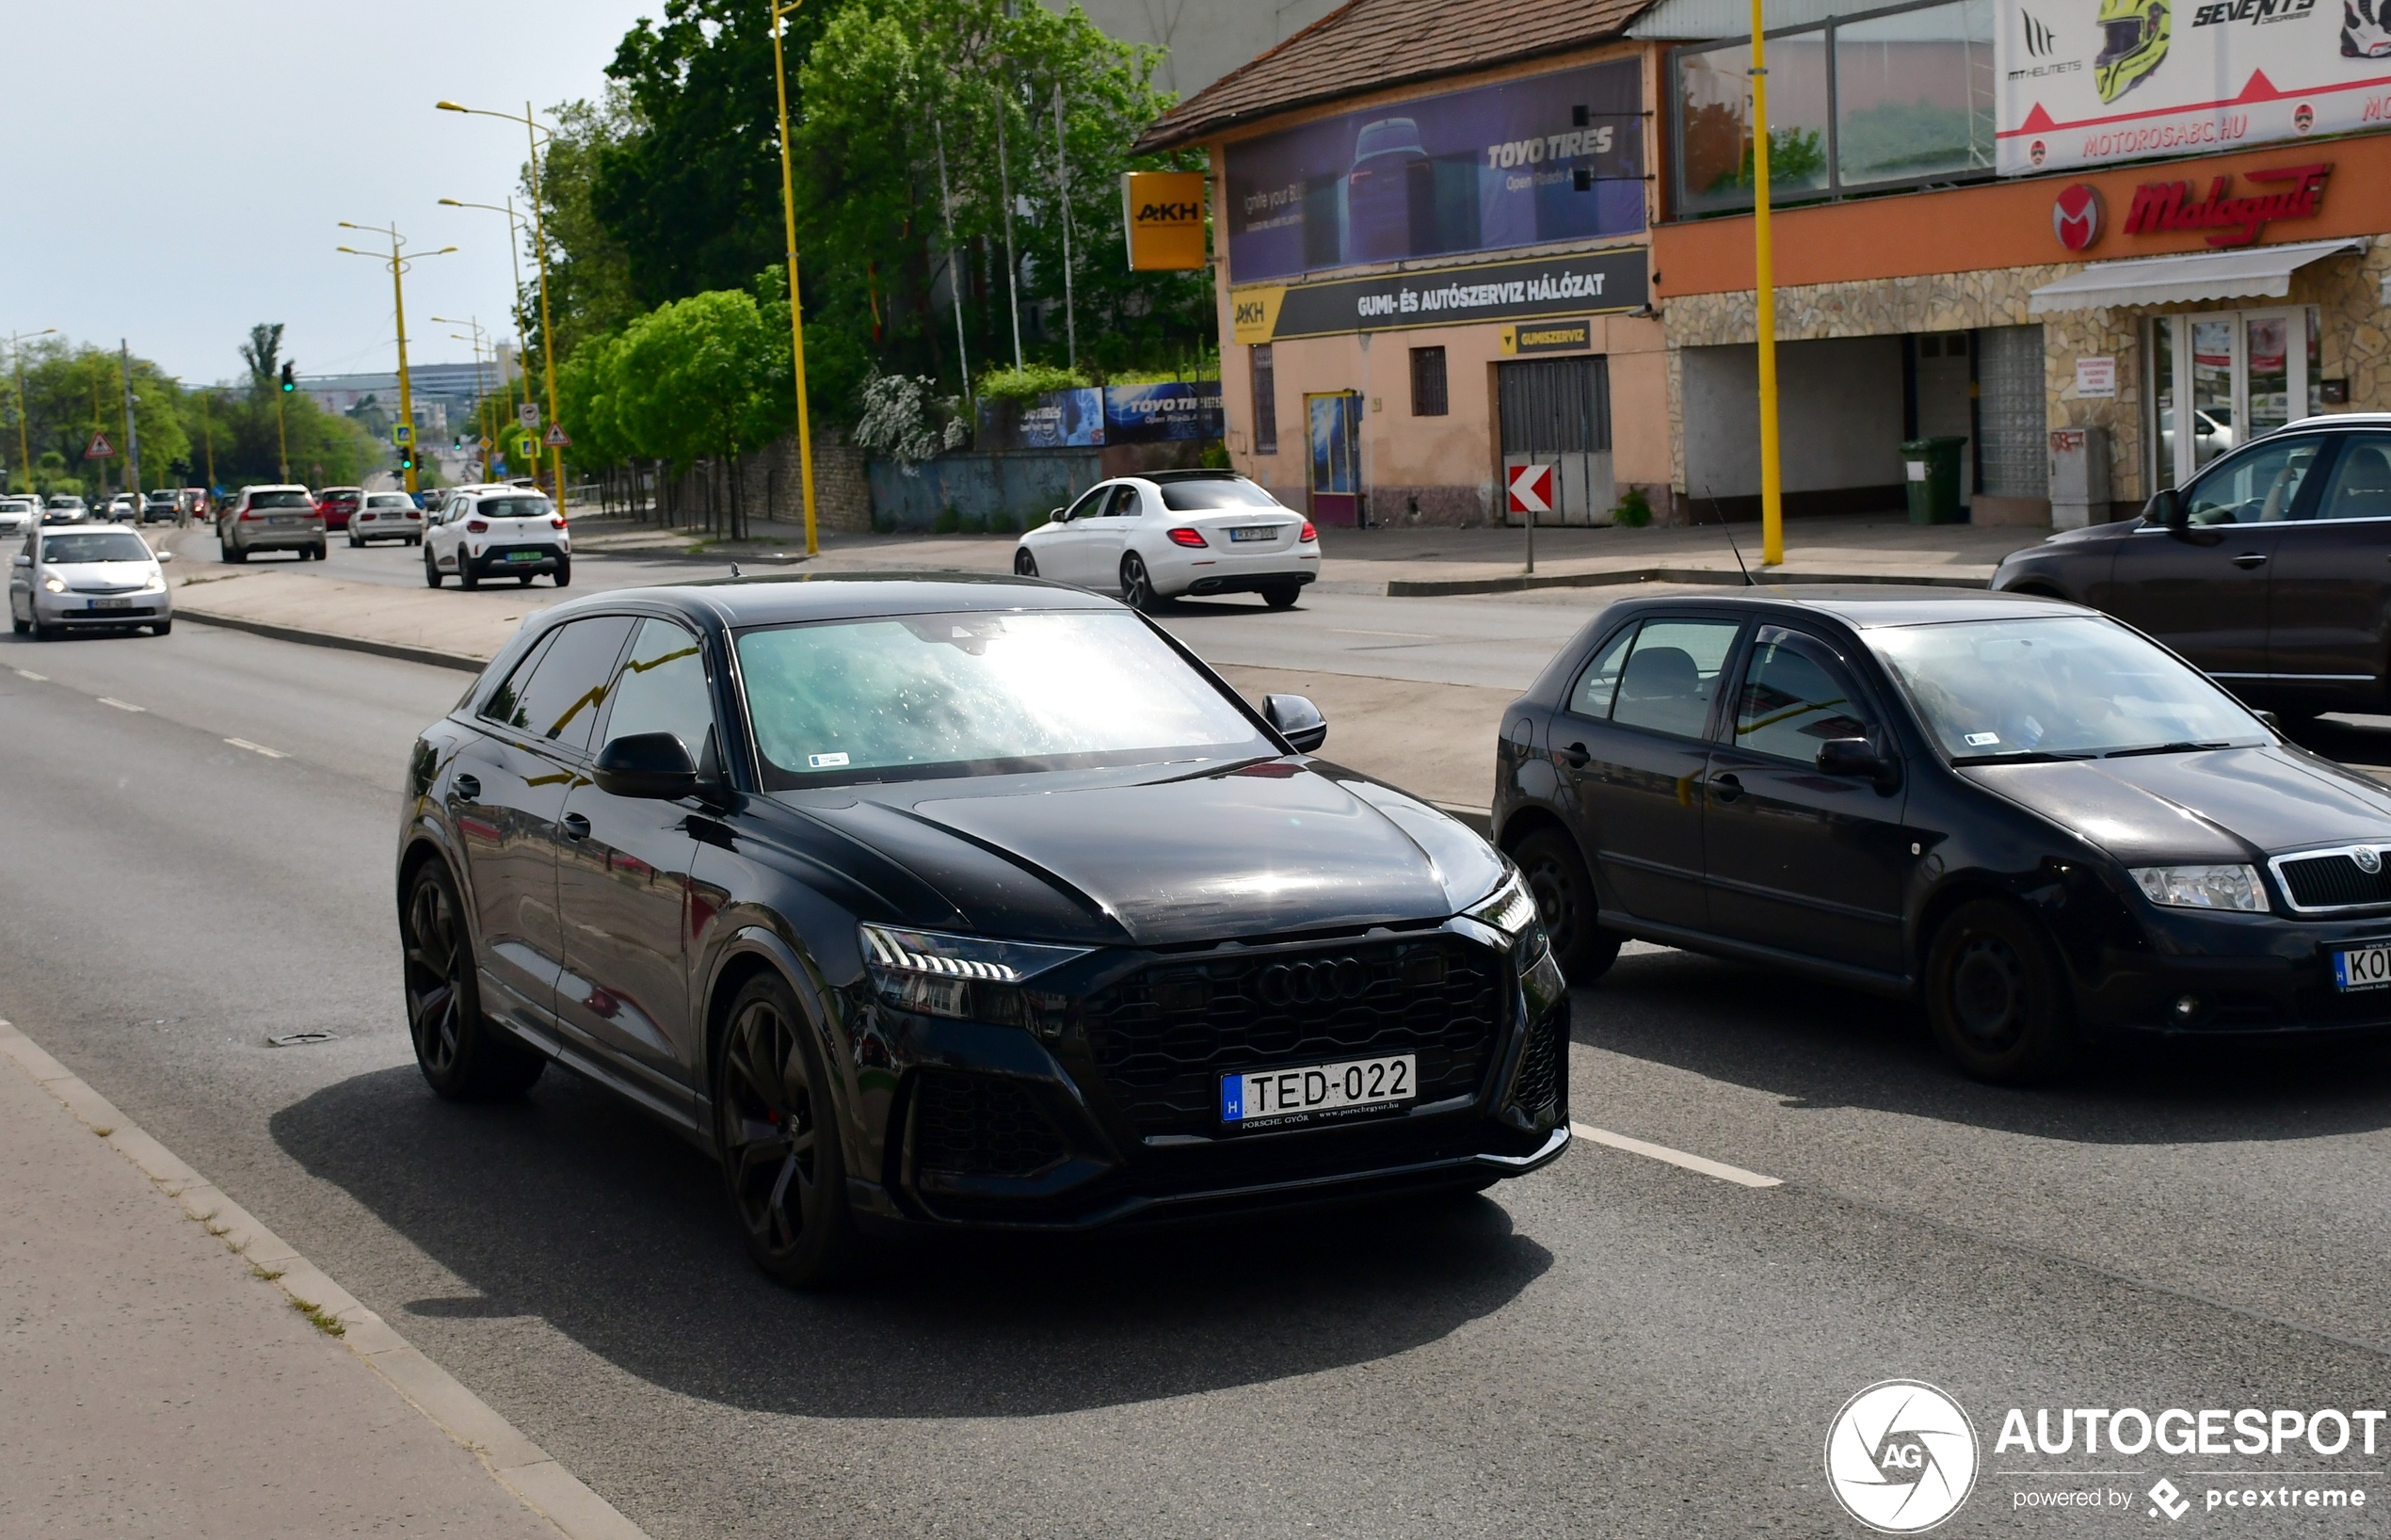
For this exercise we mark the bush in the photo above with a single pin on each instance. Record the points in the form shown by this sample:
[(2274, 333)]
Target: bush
[(949, 520), (1214, 456), (1028, 382), (1634, 510), (1001, 524)]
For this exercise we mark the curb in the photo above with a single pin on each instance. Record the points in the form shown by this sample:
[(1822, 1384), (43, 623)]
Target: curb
[(400, 651), (544, 1486), (1438, 587)]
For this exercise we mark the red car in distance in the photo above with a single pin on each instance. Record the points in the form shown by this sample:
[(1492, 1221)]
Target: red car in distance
[(337, 503)]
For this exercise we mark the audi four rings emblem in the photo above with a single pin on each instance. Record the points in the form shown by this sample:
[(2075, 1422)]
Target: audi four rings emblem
[(1315, 982)]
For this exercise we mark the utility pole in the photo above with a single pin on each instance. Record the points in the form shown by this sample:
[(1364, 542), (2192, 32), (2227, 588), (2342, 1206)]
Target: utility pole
[(207, 438), (410, 450), (132, 428), (1004, 182), (953, 263), (25, 440), (1062, 181), (796, 314), (481, 388), (1764, 305)]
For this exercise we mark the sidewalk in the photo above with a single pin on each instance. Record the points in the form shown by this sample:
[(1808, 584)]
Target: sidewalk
[(157, 1377)]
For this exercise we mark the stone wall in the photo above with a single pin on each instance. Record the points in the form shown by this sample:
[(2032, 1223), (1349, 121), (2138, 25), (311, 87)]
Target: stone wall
[(772, 482)]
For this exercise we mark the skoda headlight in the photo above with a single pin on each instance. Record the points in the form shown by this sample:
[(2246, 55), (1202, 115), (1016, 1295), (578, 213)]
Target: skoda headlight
[(2236, 888), (971, 978), (1512, 909)]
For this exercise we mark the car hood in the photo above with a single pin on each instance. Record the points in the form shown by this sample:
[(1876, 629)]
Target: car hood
[(1156, 856), (2222, 805), (109, 573)]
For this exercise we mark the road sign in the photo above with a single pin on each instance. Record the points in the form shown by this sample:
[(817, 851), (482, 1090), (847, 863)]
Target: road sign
[(1531, 488), (99, 449), (556, 439), (528, 414), (402, 434), (482, 443)]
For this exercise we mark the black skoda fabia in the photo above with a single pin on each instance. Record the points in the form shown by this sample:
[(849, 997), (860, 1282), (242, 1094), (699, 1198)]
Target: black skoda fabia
[(938, 902)]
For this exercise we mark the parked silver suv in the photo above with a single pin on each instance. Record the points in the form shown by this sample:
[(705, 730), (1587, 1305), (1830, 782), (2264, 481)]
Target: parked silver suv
[(270, 518)]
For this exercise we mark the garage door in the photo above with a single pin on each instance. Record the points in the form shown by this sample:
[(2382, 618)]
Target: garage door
[(1557, 411)]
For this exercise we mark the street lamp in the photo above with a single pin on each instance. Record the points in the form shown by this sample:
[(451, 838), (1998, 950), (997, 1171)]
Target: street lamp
[(481, 389), (24, 444), (397, 262), (535, 133), (796, 315), (515, 223)]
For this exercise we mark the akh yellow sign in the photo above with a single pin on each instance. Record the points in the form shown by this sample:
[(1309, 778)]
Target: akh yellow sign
[(1164, 212)]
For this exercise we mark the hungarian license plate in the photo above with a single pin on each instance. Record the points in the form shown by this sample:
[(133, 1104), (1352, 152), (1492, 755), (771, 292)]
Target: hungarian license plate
[(1253, 532), (111, 603), (2363, 968), (1264, 1097), (283, 519), (523, 555)]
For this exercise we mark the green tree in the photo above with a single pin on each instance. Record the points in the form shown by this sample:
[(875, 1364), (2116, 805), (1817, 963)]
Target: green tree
[(589, 282)]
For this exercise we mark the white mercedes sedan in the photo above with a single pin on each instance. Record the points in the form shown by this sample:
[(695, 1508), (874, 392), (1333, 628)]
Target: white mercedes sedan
[(1175, 533)]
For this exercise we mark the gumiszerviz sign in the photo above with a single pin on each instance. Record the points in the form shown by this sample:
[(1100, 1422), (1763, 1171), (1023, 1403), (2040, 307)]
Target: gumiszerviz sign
[(1592, 282)]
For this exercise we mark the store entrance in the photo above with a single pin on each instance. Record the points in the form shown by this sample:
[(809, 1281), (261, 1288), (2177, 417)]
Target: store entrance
[(1334, 420), (2222, 378), (1557, 411)]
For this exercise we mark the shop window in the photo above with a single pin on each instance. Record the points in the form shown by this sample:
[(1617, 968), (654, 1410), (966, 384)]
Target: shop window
[(1428, 382), (1902, 97), (1265, 401)]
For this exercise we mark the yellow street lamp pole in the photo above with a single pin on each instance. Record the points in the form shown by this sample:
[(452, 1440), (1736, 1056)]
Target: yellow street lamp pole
[(796, 312), (515, 223), (481, 387), (397, 264), (534, 132), (1764, 299), (25, 442)]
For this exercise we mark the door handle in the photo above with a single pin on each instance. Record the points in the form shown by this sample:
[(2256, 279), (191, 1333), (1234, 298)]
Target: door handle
[(1576, 756), (2249, 559), (467, 786), (1726, 788), (576, 827)]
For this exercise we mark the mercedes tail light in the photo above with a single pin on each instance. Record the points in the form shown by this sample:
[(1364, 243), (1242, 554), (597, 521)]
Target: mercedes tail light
[(1309, 535), (1192, 539)]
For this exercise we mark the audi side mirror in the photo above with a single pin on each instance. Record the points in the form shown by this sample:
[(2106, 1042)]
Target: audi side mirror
[(646, 764), (1297, 720), (1854, 756)]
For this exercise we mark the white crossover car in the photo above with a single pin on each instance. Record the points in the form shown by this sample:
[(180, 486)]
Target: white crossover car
[(87, 575), (493, 532), (1175, 533), (386, 516)]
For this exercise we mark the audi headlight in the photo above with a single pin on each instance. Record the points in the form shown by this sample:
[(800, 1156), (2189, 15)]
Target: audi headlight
[(971, 978), (1512, 909), (56, 584), (2237, 888)]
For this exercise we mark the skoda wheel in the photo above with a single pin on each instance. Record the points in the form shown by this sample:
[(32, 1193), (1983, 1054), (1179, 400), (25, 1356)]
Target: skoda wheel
[(777, 1128), (1996, 995), (1565, 902), (1137, 589), (462, 1056)]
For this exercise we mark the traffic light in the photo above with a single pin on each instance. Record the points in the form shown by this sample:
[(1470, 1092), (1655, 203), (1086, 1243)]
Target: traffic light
[(407, 460), (288, 383)]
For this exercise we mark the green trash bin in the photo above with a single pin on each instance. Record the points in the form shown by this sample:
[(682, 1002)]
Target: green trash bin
[(1932, 466)]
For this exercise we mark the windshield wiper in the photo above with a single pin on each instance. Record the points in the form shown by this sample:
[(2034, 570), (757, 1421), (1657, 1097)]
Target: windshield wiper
[(2021, 755), (2185, 748)]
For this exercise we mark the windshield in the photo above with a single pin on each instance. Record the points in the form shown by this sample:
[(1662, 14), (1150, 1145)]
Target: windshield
[(1196, 496), (66, 502), (2065, 687), (100, 545), (388, 502), (279, 500), (931, 694), (514, 507)]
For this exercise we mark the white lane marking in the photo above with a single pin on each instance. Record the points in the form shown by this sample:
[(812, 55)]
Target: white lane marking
[(257, 748), (38, 679), (1341, 631), (1720, 1169), (121, 705)]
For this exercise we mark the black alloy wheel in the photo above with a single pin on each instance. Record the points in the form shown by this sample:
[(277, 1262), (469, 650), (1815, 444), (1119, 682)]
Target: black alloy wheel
[(1996, 995), (466, 577), (1566, 901), (1282, 595), (462, 1056), (227, 550), (774, 1125), (320, 551), (1024, 565), (1137, 587), (431, 570), (563, 575)]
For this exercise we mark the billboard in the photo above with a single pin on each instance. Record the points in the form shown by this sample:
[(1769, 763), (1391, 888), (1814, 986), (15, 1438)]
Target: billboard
[(1177, 409), (1550, 158), (1585, 284), (2095, 82)]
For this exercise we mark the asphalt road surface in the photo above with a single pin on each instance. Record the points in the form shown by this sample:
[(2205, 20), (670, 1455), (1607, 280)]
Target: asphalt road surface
[(1617, 1345)]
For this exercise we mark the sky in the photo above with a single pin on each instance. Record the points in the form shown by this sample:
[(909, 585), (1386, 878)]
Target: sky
[(176, 172)]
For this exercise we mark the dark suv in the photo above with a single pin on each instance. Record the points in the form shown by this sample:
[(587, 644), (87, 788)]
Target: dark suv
[(2271, 569)]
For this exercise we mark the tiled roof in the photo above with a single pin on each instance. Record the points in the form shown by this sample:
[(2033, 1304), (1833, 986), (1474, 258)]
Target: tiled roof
[(1366, 45)]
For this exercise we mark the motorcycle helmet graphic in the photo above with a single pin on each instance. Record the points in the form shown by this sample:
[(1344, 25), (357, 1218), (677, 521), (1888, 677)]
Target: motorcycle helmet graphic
[(2133, 41), (2366, 30)]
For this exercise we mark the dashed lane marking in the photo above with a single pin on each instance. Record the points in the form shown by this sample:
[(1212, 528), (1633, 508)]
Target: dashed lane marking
[(1707, 1166), (257, 748), (27, 673), (121, 705)]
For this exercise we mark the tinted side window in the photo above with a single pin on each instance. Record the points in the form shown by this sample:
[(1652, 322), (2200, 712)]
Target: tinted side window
[(661, 688), (1089, 504), (2361, 485), (1124, 504), (1672, 675), (2259, 486), (564, 686), (1795, 697), (1600, 681)]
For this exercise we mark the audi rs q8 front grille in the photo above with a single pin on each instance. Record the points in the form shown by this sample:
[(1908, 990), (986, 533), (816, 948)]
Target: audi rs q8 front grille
[(1164, 1035)]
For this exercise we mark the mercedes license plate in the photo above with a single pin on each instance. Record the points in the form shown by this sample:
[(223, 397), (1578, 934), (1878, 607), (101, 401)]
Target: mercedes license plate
[(2363, 968), (111, 603), (523, 555), (1263, 1098), (1253, 532)]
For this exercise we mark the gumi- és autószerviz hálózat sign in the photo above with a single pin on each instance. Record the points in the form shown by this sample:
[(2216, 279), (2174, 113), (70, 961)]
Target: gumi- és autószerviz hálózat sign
[(1591, 283), (1901, 1456)]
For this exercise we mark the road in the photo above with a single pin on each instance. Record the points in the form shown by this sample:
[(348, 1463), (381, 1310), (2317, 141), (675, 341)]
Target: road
[(1615, 1346)]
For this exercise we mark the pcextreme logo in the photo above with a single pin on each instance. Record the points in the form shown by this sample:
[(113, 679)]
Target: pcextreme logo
[(1901, 1457)]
